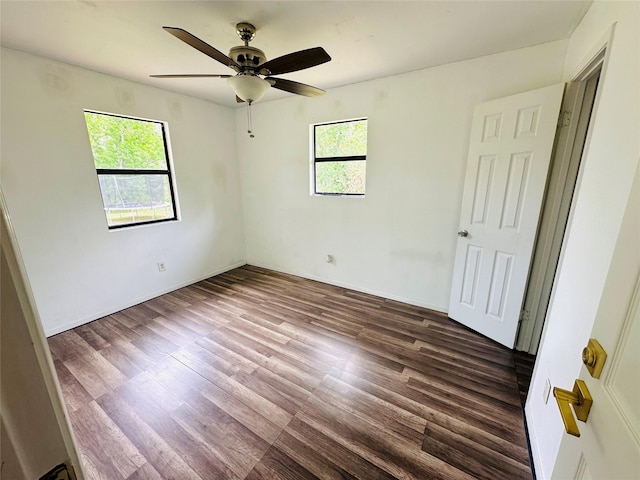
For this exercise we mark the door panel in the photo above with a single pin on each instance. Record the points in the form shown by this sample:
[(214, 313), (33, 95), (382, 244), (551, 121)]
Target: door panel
[(516, 186), (623, 384), (470, 282), (509, 151), (527, 124), (501, 277), (609, 442), (483, 188)]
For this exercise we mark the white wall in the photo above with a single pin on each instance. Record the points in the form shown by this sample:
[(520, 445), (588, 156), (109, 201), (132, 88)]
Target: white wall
[(80, 271), (399, 241), (610, 160)]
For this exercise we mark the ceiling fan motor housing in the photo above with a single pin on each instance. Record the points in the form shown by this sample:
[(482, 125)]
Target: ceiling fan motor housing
[(247, 56)]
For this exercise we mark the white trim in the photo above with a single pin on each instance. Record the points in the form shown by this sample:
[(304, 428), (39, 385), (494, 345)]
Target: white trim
[(561, 185), (583, 68), (529, 336), (157, 293), (350, 286)]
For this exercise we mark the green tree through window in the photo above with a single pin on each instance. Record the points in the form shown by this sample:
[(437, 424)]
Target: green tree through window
[(131, 161), (340, 153)]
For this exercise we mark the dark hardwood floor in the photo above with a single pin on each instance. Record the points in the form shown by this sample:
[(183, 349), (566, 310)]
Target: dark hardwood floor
[(524, 369), (254, 374)]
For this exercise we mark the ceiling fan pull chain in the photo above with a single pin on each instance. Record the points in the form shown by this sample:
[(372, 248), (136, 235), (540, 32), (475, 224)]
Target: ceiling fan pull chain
[(249, 122)]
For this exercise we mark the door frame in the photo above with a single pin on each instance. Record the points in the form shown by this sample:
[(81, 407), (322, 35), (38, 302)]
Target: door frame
[(600, 47), (577, 111)]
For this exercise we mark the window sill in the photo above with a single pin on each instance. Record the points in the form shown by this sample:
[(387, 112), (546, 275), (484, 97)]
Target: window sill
[(347, 195)]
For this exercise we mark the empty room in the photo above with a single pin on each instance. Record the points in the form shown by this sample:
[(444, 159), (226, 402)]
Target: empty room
[(335, 240)]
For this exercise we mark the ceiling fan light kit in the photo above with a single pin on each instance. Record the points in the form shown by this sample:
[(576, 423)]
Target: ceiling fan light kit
[(249, 88)]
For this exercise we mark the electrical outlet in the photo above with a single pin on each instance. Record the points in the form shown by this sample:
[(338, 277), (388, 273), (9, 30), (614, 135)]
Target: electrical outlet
[(547, 391), (161, 267)]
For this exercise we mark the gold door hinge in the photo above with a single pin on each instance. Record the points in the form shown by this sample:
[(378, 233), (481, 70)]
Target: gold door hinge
[(564, 119)]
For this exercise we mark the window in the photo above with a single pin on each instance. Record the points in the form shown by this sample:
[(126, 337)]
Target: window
[(132, 162), (340, 157)]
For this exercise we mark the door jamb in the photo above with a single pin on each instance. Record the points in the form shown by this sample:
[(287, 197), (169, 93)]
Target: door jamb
[(575, 116)]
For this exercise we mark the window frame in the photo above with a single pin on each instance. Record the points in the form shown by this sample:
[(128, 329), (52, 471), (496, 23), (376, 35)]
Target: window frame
[(139, 171), (346, 158)]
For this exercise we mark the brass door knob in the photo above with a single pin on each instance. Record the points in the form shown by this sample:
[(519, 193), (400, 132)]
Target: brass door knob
[(589, 357), (581, 400), (594, 357)]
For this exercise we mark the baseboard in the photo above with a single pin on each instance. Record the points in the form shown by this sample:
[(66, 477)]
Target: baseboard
[(356, 288), (114, 309)]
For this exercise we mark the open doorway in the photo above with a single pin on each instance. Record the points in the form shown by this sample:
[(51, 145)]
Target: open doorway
[(571, 136)]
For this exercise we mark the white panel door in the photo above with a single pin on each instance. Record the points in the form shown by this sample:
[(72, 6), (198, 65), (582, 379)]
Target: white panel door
[(609, 443), (509, 154)]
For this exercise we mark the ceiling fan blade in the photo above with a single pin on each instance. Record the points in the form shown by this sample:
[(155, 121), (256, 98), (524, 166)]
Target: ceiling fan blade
[(204, 47), (295, 61), (295, 87), (191, 75)]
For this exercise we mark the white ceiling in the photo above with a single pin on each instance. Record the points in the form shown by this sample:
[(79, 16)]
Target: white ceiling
[(366, 39)]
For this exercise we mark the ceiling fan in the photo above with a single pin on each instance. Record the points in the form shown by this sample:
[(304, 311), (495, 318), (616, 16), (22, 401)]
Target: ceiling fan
[(251, 65)]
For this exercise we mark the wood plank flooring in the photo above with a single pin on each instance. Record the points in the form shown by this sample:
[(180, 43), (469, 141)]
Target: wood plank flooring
[(524, 370), (254, 374)]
